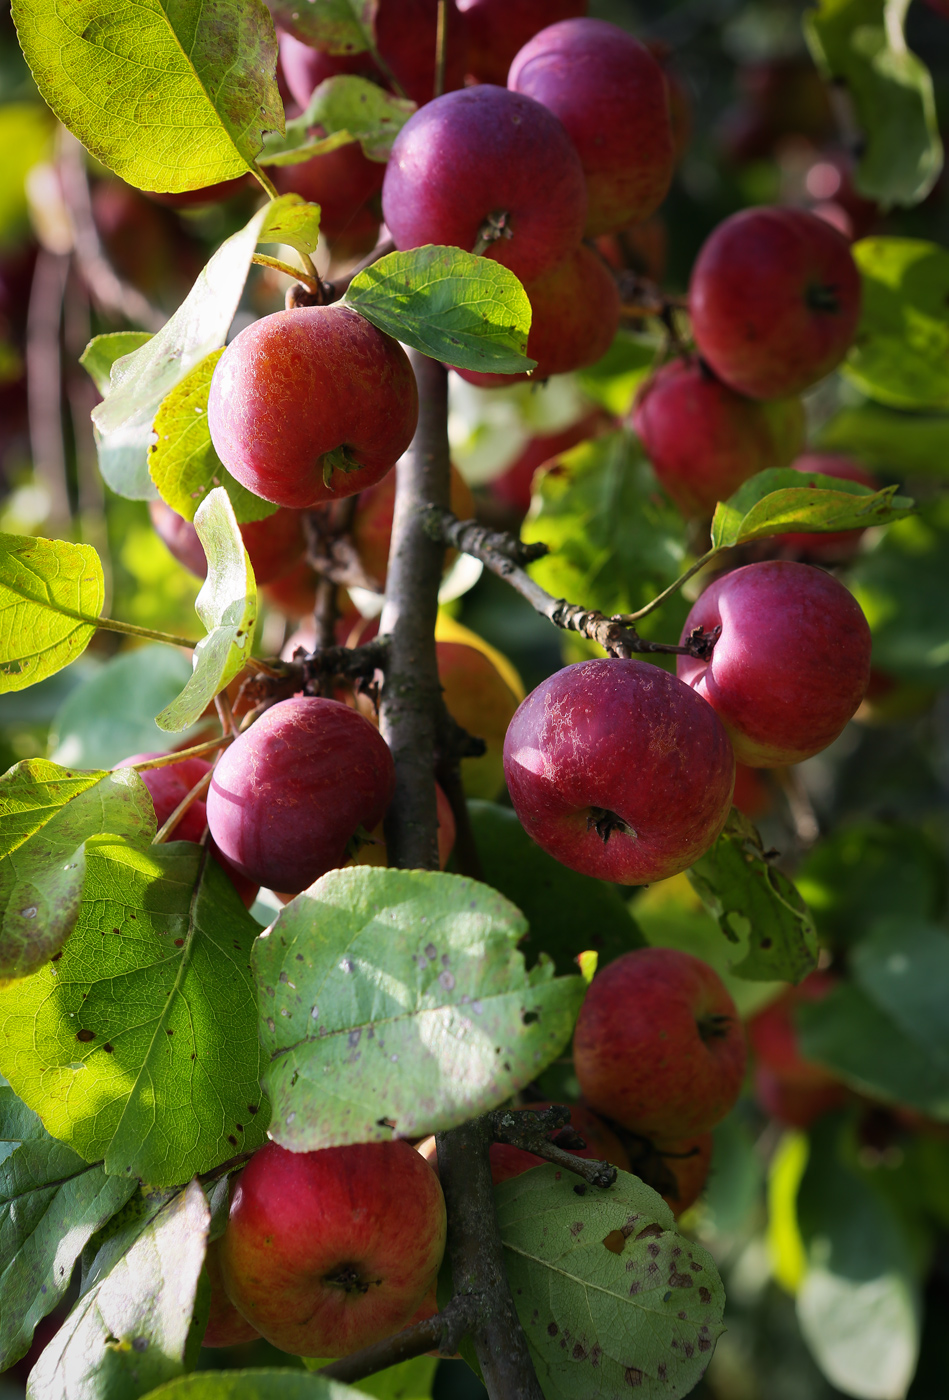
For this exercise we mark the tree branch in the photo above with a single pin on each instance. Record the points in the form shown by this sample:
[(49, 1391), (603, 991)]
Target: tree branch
[(442, 1333), (529, 1130)]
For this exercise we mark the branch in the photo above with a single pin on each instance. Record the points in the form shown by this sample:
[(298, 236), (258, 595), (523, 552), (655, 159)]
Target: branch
[(529, 1129), (441, 1333)]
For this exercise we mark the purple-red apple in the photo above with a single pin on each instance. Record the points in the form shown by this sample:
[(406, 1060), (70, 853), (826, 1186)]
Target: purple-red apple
[(658, 1044), (616, 772), (791, 664), (832, 546), (498, 28), (274, 545), (340, 182), (304, 67)]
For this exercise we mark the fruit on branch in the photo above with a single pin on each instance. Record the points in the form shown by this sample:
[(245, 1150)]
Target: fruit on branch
[(752, 796), (658, 1045), (704, 440), (373, 851), (611, 95), (774, 300), (491, 169), (340, 182), (226, 1327), (791, 664), (304, 67), (796, 1105), (514, 486), (274, 545), (773, 1035), (677, 1169), (481, 700), (640, 248), (833, 546), (575, 315), (311, 405), (326, 1252), (680, 100), (498, 28), (616, 772), (292, 791), (372, 523), (294, 593), (602, 1145)]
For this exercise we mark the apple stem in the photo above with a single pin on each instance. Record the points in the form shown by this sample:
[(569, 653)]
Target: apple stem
[(442, 1332)]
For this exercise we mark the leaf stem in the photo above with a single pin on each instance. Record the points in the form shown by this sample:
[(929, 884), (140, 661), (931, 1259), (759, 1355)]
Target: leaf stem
[(129, 629), (195, 751), (264, 180), (165, 831), (309, 277), (667, 592)]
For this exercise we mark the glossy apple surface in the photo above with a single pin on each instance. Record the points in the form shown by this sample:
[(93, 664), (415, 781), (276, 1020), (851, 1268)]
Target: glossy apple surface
[(498, 28), (274, 545), (291, 791), (326, 1252), (792, 662), (616, 772), (658, 1044), (774, 301), (311, 405)]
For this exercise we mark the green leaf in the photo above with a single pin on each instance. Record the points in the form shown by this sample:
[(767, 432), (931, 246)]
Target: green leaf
[(900, 355), (141, 380), (51, 593), (255, 1385), (227, 605), (182, 461), (46, 815), (103, 350), (568, 913), (612, 382), (338, 26), (139, 1044), (777, 501), (128, 1332), (904, 966), (396, 1002), (466, 310), (748, 896), (51, 1203), (410, 1380), (612, 1300), (861, 44), (903, 442), (192, 115), (340, 110)]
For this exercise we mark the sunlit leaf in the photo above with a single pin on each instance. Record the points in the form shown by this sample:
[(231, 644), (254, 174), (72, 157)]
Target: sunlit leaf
[(341, 109), (781, 499), (51, 593)]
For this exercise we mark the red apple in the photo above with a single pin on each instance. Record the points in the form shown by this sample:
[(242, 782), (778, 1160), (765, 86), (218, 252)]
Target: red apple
[(514, 487), (832, 546), (773, 1035), (677, 1169), (372, 523), (304, 67), (774, 301), (616, 772), (326, 1252), (796, 1105), (374, 852), (311, 405), (612, 97), (274, 545), (641, 248), (498, 28), (704, 440), (792, 662), (752, 796), (290, 793), (340, 182), (226, 1327), (658, 1044)]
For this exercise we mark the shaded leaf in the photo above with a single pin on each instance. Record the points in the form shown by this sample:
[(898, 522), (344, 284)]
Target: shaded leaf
[(466, 310), (410, 1380), (139, 1044), (612, 1300), (902, 442), (749, 897), (46, 815), (227, 605), (338, 26), (194, 114), (396, 1002), (51, 593), (255, 1385), (900, 355), (776, 501), (903, 965), (341, 109)]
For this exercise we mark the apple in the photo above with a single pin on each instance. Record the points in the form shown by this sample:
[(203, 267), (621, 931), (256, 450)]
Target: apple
[(291, 792), (513, 488), (340, 182), (832, 546), (640, 248), (226, 1327), (372, 522), (612, 97), (677, 1169), (752, 796), (773, 1036), (304, 68), (486, 154), (616, 772), (311, 405), (796, 1105), (327, 1252), (294, 593), (373, 852), (774, 300), (498, 28), (658, 1044), (274, 545), (792, 662), (704, 440)]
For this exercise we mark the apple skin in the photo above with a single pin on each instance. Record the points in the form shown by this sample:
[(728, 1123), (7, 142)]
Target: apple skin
[(773, 1036), (752, 796), (498, 28), (291, 791), (326, 1252), (514, 488), (796, 1105), (481, 701), (340, 182), (832, 546), (658, 1045), (470, 154), (774, 300), (226, 1327), (621, 739), (372, 523), (274, 545), (678, 1169), (575, 315), (304, 67), (375, 853), (704, 440), (296, 390), (791, 665), (612, 97)]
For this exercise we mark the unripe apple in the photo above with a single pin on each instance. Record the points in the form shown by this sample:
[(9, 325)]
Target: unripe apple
[(226, 1327), (611, 95), (498, 28), (616, 772), (832, 546), (774, 301), (291, 792), (658, 1044), (791, 664), (311, 405), (704, 440), (274, 545), (327, 1252)]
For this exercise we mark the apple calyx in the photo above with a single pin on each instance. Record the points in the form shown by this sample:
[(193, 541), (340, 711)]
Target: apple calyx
[(494, 227), (605, 822), (714, 1027), (340, 459), (350, 1280), (823, 297)]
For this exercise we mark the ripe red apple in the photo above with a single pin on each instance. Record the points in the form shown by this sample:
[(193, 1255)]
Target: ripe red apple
[(274, 545), (687, 1161), (704, 440), (773, 1035), (498, 28), (641, 248), (616, 772), (752, 796), (658, 1044), (291, 791), (295, 592), (576, 311), (311, 405), (340, 182), (792, 662), (304, 67), (833, 546), (774, 301), (226, 1327), (326, 1252), (487, 154), (611, 95), (602, 1144), (372, 523), (514, 487), (796, 1105)]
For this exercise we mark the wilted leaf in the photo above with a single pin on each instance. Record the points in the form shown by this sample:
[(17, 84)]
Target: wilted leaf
[(51, 594), (341, 109), (781, 499)]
